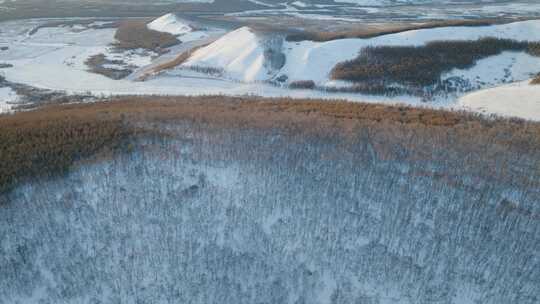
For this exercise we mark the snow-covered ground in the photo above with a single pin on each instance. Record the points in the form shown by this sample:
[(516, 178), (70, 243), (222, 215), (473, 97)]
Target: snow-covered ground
[(7, 97), (518, 99), (53, 58)]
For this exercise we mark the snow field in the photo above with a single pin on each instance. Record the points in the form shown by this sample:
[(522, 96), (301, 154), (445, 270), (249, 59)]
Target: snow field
[(53, 58)]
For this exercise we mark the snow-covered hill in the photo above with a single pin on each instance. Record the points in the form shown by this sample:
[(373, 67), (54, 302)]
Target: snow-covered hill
[(240, 55), (314, 60), (171, 24)]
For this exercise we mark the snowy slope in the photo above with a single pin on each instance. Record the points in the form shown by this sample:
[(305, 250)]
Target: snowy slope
[(309, 60), (507, 67), (504, 68), (238, 54), (519, 100), (170, 23)]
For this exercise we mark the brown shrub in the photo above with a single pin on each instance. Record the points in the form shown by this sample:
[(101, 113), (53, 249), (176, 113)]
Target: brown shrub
[(96, 64), (370, 32), (134, 34), (175, 62), (48, 141), (422, 65)]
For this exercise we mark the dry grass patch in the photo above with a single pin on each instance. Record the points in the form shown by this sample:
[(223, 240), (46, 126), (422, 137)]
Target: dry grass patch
[(134, 34), (179, 60), (48, 141)]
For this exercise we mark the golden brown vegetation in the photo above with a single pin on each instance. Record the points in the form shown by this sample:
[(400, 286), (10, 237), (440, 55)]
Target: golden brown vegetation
[(134, 34), (46, 142), (173, 63), (370, 32)]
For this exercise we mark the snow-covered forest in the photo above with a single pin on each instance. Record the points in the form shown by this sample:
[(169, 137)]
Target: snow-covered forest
[(292, 205)]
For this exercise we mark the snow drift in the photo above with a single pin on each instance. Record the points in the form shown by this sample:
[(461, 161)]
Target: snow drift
[(171, 24)]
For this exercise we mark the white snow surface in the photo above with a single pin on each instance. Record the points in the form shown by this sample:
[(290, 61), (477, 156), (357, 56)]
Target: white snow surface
[(171, 24), (53, 58), (517, 100), (239, 54), (7, 96)]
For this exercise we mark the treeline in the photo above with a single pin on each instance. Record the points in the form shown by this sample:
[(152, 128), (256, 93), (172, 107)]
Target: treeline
[(536, 80), (46, 142), (421, 66), (375, 89), (134, 34), (302, 84), (380, 30)]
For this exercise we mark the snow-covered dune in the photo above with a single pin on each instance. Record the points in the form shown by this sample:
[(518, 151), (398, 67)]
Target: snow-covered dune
[(170, 23), (239, 54)]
